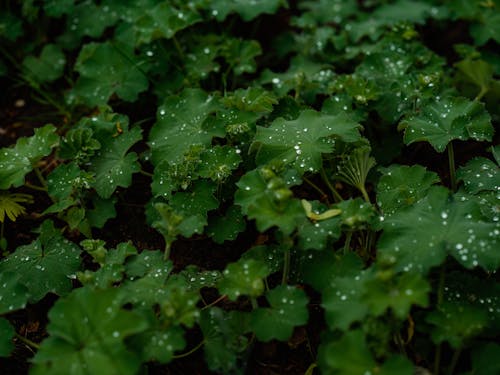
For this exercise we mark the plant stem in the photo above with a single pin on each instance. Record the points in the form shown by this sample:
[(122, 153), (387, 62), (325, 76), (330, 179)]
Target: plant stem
[(483, 92), (454, 361), (286, 266), (168, 248), (186, 354), (365, 194), (143, 172), (178, 47), (316, 187), (27, 341), (40, 176), (34, 187), (221, 298), (347, 245), (336, 195), (451, 161), (440, 296)]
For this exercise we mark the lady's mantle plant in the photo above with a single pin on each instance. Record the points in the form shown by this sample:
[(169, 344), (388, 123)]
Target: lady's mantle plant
[(345, 150)]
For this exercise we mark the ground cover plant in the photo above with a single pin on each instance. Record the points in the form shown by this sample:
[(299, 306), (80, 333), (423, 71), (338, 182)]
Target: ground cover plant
[(225, 186)]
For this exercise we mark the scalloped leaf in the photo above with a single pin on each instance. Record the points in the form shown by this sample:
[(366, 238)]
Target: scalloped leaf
[(46, 265), (106, 69), (87, 330), (303, 141), (112, 165), (421, 236), (182, 123), (224, 337), (243, 278), (450, 118), (480, 174), (48, 67), (248, 10), (401, 186), (6, 335), (13, 294), (288, 309)]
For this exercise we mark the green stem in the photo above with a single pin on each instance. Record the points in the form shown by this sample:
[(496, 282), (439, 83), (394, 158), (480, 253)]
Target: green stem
[(336, 195), (186, 354), (27, 341), (40, 176), (315, 187), (178, 47), (347, 245), (483, 92), (34, 187), (440, 296), (286, 266), (255, 304), (451, 161), (221, 298), (168, 249), (143, 172), (365, 194), (454, 361)]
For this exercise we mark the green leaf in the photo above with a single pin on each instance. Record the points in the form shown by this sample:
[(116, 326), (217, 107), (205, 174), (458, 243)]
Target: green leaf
[(244, 277), (181, 123), (111, 263), (79, 144), (14, 295), (456, 323), (478, 72), (160, 343), (226, 227), (344, 299), (288, 309), (13, 167), (193, 206), (271, 255), (106, 69), (421, 236), (38, 145), (484, 359), (240, 54), (401, 186), (6, 335), (267, 199), (356, 213), (87, 330), (48, 67), (224, 337), (66, 179), (163, 20), (316, 233), (17, 162), (479, 174), (442, 121), (196, 279), (347, 355), (11, 27), (104, 209), (303, 141), (488, 28), (399, 294), (217, 163), (46, 265), (147, 276), (113, 166), (11, 205), (253, 99), (247, 10)]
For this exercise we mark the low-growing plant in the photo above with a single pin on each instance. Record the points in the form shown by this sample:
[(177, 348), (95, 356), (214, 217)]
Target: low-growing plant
[(308, 137)]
